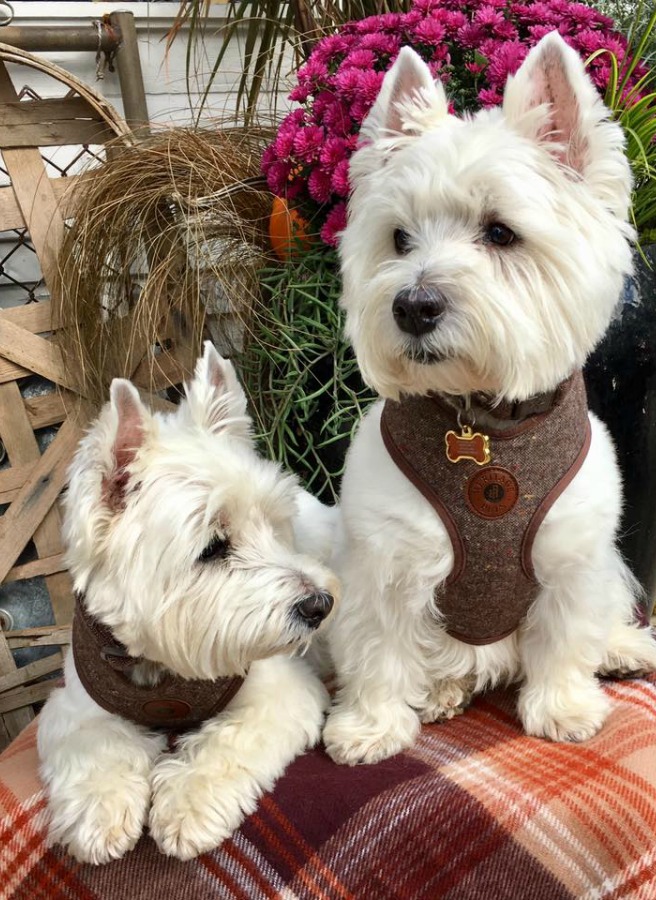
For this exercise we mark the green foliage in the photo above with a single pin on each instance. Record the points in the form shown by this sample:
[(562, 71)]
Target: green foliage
[(631, 16), (636, 112), (302, 380)]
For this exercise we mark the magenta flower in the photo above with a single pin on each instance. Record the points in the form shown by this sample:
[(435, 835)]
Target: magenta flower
[(319, 186), (340, 179), (360, 59), (504, 62), (334, 224), (308, 142), (471, 45), (430, 31), (334, 151)]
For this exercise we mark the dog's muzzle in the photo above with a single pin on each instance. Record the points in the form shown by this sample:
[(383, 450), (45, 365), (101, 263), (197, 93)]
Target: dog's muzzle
[(314, 608), (417, 310)]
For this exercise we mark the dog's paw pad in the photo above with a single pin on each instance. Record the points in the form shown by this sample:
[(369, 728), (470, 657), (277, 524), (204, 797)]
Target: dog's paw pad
[(449, 698)]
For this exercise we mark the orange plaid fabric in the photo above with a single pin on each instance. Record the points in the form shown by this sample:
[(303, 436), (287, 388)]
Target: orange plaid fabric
[(474, 811)]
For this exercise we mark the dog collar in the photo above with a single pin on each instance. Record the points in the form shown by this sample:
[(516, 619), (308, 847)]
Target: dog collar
[(103, 666), (505, 411)]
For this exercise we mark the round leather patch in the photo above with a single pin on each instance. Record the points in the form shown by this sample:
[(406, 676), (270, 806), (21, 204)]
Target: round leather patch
[(166, 709), (492, 492)]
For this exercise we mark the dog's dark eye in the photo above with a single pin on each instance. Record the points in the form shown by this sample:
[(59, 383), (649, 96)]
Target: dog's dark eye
[(499, 234), (216, 549), (402, 243)]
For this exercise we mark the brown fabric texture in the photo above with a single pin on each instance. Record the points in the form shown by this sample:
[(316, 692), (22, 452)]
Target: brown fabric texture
[(492, 584), (175, 703)]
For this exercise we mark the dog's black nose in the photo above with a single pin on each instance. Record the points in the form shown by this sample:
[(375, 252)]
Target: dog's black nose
[(314, 608), (416, 310)]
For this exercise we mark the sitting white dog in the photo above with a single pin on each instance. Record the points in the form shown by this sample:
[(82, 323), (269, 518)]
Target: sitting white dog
[(192, 599), (481, 262)]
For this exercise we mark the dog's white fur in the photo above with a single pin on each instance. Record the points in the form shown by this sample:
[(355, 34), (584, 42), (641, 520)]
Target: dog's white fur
[(133, 551), (518, 320)]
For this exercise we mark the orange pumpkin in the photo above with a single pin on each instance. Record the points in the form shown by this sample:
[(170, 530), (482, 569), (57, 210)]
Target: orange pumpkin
[(288, 230)]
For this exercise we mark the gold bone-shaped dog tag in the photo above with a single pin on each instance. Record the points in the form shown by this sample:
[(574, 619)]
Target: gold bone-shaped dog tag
[(468, 445)]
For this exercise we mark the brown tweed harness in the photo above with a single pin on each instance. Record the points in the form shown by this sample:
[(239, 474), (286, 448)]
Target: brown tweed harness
[(174, 703), (493, 502)]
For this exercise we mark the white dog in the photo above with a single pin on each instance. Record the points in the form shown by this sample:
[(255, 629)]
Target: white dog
[(192, 595), (481, 262)]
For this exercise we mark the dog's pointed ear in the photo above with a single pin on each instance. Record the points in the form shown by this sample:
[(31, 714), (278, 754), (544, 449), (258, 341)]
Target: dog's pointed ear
[(131, 416), (553, 100), (215, 398), (409, 101)]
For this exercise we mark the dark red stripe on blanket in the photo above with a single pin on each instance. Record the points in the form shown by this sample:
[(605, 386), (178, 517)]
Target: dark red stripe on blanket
[(230, 886), (54, 877)]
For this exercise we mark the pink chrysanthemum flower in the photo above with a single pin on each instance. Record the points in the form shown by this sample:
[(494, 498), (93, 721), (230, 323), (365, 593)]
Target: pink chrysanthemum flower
[(471, 45)]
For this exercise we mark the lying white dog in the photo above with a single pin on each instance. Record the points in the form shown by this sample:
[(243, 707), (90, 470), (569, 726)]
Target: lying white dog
[(192, 599), (481, 262)]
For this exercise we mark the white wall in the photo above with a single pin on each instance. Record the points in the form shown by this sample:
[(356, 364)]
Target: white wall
[(164, 75)]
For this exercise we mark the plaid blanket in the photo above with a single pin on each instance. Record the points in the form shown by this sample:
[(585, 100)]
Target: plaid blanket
[(474, 810)]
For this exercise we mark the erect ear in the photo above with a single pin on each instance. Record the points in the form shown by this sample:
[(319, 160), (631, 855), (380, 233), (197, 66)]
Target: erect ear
[(552, 99), (129, 437), (215, 398), (409, 100)]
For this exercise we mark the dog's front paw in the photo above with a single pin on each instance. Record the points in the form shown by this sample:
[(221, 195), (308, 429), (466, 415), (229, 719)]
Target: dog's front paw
[(564, 713), (192, 811), (101, 816), (352, 737), (447, 699)]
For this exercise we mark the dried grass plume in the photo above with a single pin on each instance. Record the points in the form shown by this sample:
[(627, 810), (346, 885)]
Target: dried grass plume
[(164, 232)]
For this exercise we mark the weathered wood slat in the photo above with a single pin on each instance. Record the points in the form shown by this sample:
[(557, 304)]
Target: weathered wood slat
[(33, 317), (22, 449), (54, 134), (28, 345), (40, 636), (49, 565), (31, 672), (34, 353), (11, 216), (36, 496), (38, 112), (18, 702), (17, 718), (12, 479), (34, 193), (9, 371), (48, 409)]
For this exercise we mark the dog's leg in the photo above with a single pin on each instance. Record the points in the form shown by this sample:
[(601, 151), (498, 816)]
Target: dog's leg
[(561, 648), (96, 768), (203, 792), (373, 654), (630, 648)]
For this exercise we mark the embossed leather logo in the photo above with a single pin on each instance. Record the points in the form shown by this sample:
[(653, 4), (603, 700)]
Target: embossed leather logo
[(166, 709), (492, 492)]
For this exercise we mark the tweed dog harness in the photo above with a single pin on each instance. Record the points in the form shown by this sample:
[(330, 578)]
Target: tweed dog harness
[(175, 703), (492, 492)]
